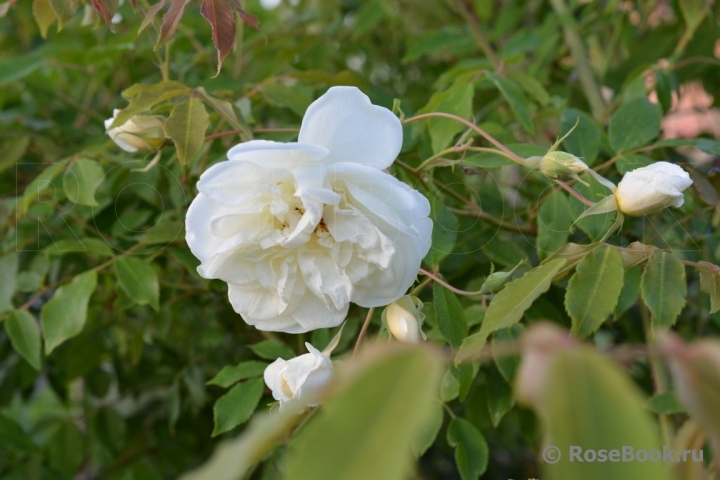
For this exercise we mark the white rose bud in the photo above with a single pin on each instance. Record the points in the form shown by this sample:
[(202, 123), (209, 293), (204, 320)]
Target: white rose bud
[(404, 319), (140, 133), (650, 189), (301, 379), (559, 165)]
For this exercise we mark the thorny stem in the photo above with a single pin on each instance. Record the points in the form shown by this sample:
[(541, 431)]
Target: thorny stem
[(363, 330), (575, 193), (447, 285)]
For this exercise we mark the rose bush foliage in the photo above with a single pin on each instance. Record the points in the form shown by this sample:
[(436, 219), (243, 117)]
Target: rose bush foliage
[(329, 240)]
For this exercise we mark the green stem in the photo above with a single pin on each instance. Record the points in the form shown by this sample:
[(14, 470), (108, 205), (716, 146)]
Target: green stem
[(660, 379), (577, 49), (478, 35)]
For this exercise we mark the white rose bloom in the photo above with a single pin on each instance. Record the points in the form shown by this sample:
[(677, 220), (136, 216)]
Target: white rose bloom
[(299, 230), (650, 189), (300, 379), (141, 132)]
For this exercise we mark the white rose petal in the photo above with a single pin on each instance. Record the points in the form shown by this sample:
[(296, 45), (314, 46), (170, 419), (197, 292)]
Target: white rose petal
[(650, 189), (299, 230), (301, 379)]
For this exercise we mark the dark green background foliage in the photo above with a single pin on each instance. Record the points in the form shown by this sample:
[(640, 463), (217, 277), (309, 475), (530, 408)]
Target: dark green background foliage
[(111, 338)]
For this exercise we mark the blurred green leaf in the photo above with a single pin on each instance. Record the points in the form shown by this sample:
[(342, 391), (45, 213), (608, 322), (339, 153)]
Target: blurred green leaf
[(235, 407), (516, 99), (594, 290), (450, 315), (233, 374), (456, 100), (554, 222), (430, 432), (584, 141), (471, 450), (12, 151), (272, 350), (63, 316), (664, 288), (139, 280), (710, 284), (81, 181), (500, 399), (24, 333), (367, 429), (8, 276), (634, 124), (664, 404), (444, 233), (186, 127)]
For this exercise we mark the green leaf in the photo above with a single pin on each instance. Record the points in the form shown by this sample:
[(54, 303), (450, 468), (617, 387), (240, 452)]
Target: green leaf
[(22, 328), (12, 150), (81, 180), (554, 222), (444, 233), (587, 400), (429, 433), (231, 374), (8, 279), (236, 406), (516, 99), (367, 428), (506, 364), (530, 84), (632, 161), (594, 290), (664, 404), (44, 15), (65, 11), (634, 124), (368, 16), (228, 113), (630, 291), (186, 127), (471, 450), (584, 142), (500, 399), (450, 315), (66, 449), (456, 100), (84, 245), (297, 98), (139, 280), (508, 306), (710, 284), (63, 316), (664, 288), (143, 97), (272, 350), (16, 68)]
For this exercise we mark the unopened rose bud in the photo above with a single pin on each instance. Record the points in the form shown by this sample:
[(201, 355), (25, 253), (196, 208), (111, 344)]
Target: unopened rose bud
[(404, 318), (497, 280), (140, 133), (559, 165), (650, 189)]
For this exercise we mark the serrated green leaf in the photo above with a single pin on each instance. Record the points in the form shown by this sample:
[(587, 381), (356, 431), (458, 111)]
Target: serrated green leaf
[(500, 399), (186, 126), (530, 84), (444, 233), (272, 350), (139, 280), (584, 141), (144, 97), (231, 374), (508, 306), (24, 333), (630, 291), (236, 406), (664, 404), (367, 428), (63, 316), (554, 222), (516, 99), (710, 284), (81, 181), (664, 288), (456, 100), (594, 290), (634, 124), (471, 450), (450, 315)]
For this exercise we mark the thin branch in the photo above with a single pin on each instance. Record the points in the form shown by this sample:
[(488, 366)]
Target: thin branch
[(364, 329), (478, 35), (575, 193), (448, 286)]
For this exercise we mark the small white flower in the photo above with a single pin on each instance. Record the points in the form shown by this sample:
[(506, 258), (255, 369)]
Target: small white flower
[(650, 189), (300, 379), (404, 319), (299, 230), (140, 133)]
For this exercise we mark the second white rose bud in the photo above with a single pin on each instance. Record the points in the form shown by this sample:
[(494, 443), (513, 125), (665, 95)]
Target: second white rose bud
[(404, 319)]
